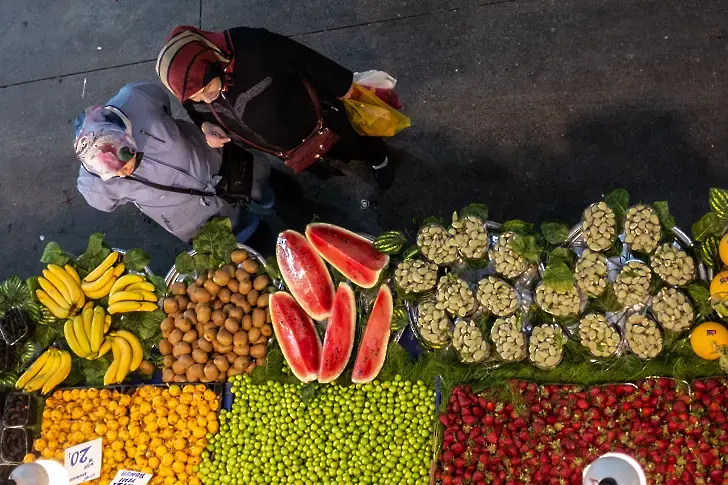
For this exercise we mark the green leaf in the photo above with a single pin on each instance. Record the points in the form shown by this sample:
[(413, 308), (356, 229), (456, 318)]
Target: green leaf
[(411, 253), (45, 335), (718, 200), (477, 210), (526, 247), (53, 254), (700, 297), (136, 259), (216, 239), (160, 286), (272, 269), (95, 253), (663, 212), (559, 277), (709, 251), (708, 225), (184, 263), (94, 370), (555, 232), (433, 220), (618, 201), (517, 226), (607, 301), (308, 392), (561, 255), (202, 262)]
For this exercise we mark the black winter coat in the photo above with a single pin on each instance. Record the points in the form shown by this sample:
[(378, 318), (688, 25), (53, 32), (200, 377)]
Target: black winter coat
[(267, 101)]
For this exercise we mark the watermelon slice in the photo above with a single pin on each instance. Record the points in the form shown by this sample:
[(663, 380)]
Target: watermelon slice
[(339, 339), (353, 255), (296, 335), (305, 274), (373, 348)]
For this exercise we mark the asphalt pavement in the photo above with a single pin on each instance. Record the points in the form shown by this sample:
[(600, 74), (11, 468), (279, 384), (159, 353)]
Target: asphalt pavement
[(535, 108)]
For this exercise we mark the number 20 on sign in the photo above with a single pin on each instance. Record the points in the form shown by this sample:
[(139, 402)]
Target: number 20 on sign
[(83, 462)]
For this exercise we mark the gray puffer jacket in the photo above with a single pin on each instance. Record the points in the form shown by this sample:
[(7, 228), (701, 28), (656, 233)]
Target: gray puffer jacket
[(174, 154)]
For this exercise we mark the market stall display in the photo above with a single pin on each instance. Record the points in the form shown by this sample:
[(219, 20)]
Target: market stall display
[(373, 433), (152, 429), (529, 338), (218, 324), (524, 433)]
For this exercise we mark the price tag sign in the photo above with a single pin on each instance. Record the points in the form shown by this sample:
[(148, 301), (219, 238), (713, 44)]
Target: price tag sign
[(128, 477), (83, 462)]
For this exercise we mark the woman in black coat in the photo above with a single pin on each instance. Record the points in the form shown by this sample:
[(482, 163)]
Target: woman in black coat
[(262, 89)]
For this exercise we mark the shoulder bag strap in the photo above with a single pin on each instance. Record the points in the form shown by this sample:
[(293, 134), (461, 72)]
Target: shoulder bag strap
[(277, 153), (176, 190)]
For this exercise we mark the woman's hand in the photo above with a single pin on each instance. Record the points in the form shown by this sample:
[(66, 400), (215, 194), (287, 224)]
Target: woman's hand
[(214, 135)]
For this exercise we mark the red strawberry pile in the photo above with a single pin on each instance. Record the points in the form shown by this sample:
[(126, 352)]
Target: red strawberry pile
[(554, 431)]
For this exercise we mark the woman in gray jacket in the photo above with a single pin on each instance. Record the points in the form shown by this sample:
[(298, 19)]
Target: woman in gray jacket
[(132, 150)]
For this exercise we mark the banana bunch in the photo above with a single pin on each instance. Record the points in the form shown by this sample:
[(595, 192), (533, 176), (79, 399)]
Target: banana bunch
[(85, 332), (61, 291), (128, 355), (132, 293), (98, 283), (47, 372)]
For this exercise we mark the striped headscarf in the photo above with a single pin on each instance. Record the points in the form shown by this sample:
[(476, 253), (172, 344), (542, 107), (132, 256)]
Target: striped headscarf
[(189, 55)]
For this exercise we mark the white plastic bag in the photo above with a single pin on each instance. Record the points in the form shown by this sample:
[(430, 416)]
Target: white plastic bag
[(375, 79)]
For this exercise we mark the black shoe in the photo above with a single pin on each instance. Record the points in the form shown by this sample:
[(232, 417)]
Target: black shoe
[(384, 176)]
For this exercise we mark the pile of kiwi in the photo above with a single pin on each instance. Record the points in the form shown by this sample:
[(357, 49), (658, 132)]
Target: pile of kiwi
[(219, 325)]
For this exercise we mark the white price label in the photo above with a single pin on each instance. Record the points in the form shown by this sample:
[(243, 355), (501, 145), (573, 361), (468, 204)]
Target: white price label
[(83, 462), (128, 477)]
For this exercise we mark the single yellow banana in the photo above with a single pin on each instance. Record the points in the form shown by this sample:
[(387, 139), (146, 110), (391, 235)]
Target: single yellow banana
[(53, 293), (119, 269), (73, 288), (74, 274), (148, 295), (87, 314), (107, 323), (125, 306), (64, 368), (141, 286), (81, 336), (134, 344), (71, 271), (148, 306), (60, 286), (101, 269), (126, 354), (110, 376), (96, 285), (69, 333), (32, 371), (126, 280), (96, 335), (51, 305), (50, 368), (103, 292), (125, 295), (105, 347)]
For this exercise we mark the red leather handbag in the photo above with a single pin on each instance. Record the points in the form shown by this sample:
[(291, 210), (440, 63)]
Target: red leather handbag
[(310, 151)]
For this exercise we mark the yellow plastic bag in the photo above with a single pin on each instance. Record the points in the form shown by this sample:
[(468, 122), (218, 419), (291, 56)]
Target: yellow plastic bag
[(370, 116)]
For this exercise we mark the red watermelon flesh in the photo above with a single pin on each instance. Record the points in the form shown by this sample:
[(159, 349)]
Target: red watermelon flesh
[(296, 335), (373, 348), (339, 339), (305, 274), (353, 255)]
